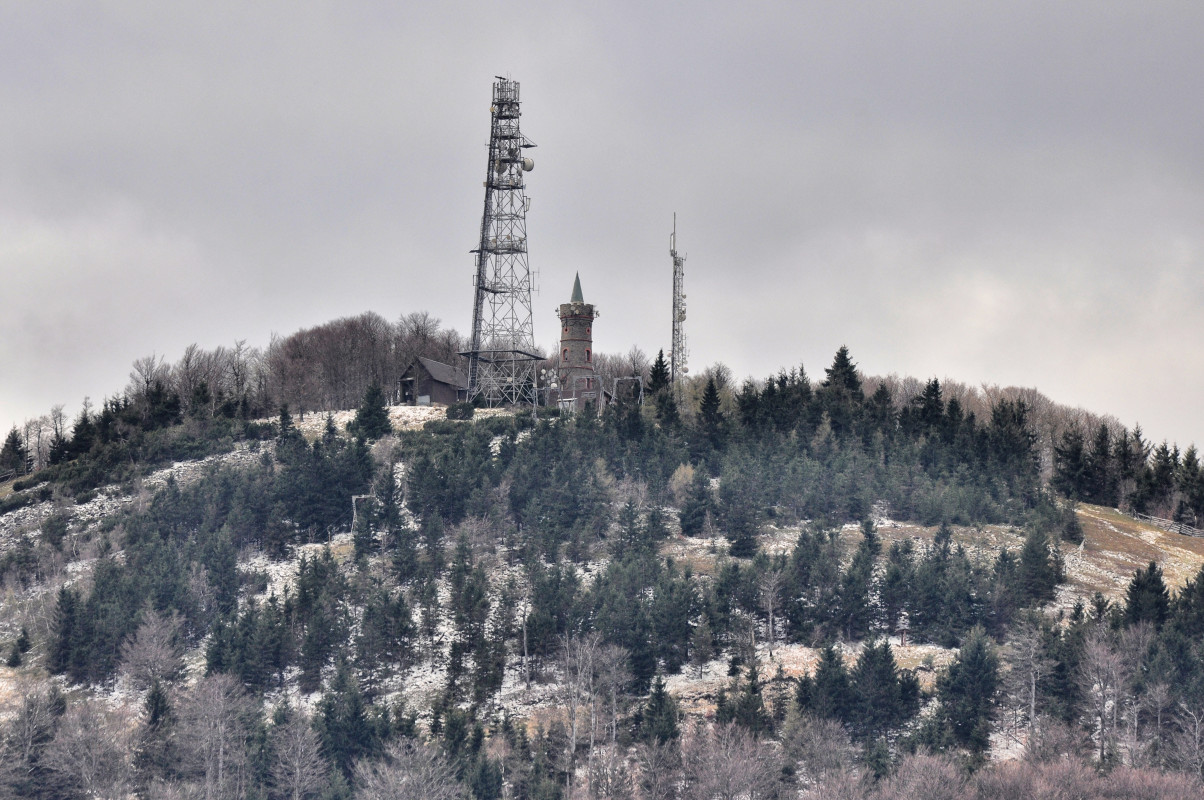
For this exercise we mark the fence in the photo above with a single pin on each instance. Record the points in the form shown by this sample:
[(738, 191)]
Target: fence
[(1172, 526)]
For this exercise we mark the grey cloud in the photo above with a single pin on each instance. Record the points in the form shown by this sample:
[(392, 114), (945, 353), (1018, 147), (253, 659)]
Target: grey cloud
[(1008, 195)]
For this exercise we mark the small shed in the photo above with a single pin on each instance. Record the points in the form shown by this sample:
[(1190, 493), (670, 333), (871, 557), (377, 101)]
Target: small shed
[(427, 381)]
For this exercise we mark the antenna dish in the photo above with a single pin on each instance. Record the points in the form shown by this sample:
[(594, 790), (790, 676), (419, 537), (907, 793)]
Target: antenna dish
[(528, 165)]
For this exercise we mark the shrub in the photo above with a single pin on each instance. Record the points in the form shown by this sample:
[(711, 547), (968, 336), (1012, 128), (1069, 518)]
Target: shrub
[(460, 411)]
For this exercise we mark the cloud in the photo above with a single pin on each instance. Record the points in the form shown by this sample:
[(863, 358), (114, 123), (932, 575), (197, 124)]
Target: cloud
[(1000, 194)]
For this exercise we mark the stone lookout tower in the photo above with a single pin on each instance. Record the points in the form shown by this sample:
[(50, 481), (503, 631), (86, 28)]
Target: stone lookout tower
[(576, 372)]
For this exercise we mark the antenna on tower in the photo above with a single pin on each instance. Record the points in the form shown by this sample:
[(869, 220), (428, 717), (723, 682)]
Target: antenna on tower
[(501, 354), (678, 352)]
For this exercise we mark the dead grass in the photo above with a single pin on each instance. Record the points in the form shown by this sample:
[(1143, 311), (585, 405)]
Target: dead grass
[(6, 488), (1116, 545)]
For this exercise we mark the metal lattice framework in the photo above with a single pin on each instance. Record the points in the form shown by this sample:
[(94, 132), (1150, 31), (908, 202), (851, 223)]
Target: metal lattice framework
[(678, 351), (501, 358)]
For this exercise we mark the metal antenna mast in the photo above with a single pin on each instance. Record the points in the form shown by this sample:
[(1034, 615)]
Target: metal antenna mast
[(678, 352), (501, 358)]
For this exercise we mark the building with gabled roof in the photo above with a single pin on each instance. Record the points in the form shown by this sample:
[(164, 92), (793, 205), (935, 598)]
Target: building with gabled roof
[(426, 381)]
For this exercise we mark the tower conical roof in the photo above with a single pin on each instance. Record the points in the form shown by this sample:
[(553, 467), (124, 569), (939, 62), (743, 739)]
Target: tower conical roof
[(577, 297)]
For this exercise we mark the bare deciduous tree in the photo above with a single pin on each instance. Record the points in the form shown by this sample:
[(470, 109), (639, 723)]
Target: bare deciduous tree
[(659, 770), (29, 726), (609, 778), (408, 771), (298, 769), (153, 653), (613, 678), (769, 588), (1026, 653), (1100, 674), (726, 763), (577, 691), (924, 777), (213, 729), (1187, 742), (819, 748), (93, 749), (1053, 740)]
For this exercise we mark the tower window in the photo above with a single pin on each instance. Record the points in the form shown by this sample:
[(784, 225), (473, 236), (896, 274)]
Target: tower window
[(565, 357), (587, 358)]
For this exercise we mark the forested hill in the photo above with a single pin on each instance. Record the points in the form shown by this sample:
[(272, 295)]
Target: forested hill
[(787, 587)]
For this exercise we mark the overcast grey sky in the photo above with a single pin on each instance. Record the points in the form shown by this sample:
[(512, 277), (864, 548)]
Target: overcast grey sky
[(1007, 193)]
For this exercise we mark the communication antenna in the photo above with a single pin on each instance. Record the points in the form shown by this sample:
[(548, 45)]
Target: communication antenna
[(678, 352), (501, 354)]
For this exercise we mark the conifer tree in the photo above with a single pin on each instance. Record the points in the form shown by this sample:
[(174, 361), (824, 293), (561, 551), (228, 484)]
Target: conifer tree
[(697, 505), (658, 378), (1147, 598), (882, 698), (745, 705), (827, 694), (967, 693), (372, 418), (1039, 572), (13, 454), (710, 418), (1070, 465), (842, 375), (659, 717)]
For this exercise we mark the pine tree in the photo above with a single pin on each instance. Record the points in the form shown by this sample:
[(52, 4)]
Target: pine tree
[(343, 722), (702, 644), (739, 508), (66, 638)]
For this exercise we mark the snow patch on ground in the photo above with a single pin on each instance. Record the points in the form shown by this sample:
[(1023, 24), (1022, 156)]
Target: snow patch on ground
[(403, 418)]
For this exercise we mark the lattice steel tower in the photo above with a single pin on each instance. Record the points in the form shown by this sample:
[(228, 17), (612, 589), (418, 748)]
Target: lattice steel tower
[(678, 352), (501, 358)]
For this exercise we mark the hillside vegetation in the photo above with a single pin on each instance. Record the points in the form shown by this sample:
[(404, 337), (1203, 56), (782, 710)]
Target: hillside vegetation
[(789, 588)]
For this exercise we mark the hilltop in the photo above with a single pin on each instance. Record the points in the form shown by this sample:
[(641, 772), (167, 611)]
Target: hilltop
[(531, 599)]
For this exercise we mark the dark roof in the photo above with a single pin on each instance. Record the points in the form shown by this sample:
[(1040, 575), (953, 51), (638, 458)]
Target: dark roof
[(445, 373), (577, 297)]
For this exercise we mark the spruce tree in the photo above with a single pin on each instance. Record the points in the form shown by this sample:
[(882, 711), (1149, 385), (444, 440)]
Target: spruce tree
[(697, 505), (828, 692), (710, 418), (1147, 598), (967, 693), (13, 454), (372, 419), (882, 698), (1070, 466), (658, 379), (842, 376), (1038, 570), (658, 719)]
